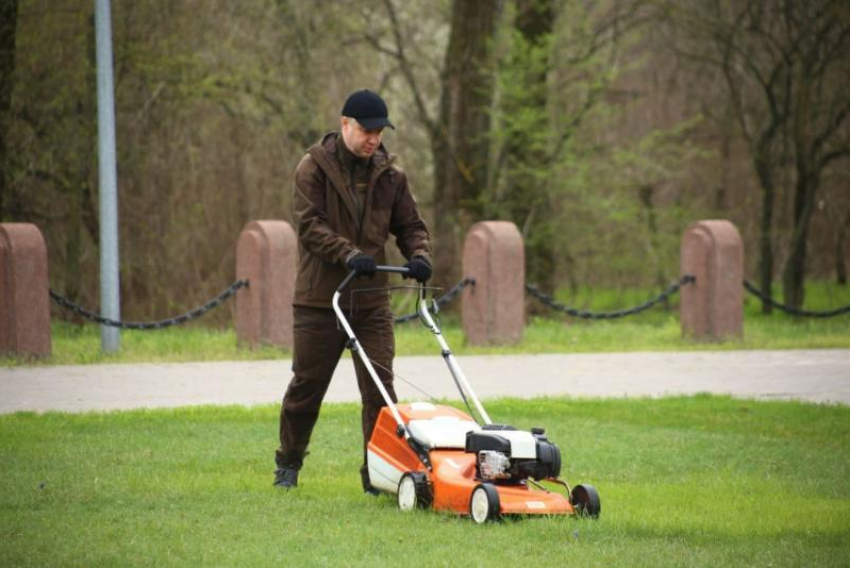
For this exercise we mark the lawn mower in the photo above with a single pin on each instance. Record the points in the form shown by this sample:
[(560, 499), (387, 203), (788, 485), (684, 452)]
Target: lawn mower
[(436, 456)]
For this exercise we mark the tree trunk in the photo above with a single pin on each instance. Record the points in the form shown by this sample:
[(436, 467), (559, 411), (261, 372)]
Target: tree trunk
[(840, 258), (460, 145), (646, 194), (8, 33), (765, 268), (794, 273), (73, 243), (722, 189)]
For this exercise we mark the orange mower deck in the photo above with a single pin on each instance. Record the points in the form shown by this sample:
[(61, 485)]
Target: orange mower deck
[(453, 476), (436, 456)]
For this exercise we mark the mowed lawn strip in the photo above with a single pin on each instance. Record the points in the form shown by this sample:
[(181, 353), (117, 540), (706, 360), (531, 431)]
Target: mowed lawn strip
[(684, 481)]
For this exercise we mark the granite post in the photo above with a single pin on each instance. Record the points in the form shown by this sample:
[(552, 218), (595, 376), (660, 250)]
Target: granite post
[(24, 291), (266, 256), (712, 308), (493, 310)]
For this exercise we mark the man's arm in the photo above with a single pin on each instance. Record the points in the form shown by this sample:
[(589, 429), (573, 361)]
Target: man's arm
[(406, 223), (310, 213)]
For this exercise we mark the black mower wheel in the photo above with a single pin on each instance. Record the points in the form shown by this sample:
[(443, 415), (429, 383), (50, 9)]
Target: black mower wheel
[(484, 504), (414, 492), (585, 501)]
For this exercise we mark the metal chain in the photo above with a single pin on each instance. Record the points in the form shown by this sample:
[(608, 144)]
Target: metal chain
[(793, 311), (548, 301), (196, 313), (442, 300)]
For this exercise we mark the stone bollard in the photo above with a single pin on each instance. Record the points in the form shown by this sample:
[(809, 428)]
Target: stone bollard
[(24, 291), (266, 256), (493, 310), (712, 308)]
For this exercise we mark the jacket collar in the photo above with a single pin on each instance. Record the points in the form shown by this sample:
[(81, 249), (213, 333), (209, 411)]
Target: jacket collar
[(327, 157)]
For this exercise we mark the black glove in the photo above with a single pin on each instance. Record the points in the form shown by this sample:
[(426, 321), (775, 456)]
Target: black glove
[(419, 269), (363, 265)]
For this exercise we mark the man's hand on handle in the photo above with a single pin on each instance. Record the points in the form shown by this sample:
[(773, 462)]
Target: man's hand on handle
[(419, 269), (363, 265)]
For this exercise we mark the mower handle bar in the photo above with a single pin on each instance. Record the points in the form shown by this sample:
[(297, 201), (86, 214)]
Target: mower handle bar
[(380, 268), (454, 368), (354, 345)]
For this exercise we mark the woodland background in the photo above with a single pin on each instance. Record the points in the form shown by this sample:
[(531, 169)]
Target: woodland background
[(602, 129)]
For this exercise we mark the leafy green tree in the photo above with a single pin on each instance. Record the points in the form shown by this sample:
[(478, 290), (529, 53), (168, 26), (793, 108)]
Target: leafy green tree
[(524, 136), (590, 198)]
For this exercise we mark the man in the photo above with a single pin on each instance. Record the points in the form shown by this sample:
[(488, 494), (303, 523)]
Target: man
[(349, 198)]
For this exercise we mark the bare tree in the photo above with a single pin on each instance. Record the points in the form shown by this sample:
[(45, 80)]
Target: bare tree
[(460, 155), (783, 63), (820, 109), (841, 227), (458, 134), (212, 114)]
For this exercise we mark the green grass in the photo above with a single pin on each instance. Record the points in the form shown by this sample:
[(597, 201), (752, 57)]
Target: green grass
[(697, 481), (654, 330)]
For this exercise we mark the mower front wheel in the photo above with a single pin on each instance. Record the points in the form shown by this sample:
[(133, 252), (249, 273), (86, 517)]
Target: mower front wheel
[(585, 501), (414, 491), (484, 504)]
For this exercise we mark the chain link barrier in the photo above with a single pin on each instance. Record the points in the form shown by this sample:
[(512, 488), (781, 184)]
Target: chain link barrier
[(442, 300), (548, 301), (194, 314), (793, 311), (446, 298)]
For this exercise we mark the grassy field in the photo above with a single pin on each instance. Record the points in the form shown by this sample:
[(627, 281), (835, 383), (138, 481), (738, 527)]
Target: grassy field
[(699, 481), (655, 330)]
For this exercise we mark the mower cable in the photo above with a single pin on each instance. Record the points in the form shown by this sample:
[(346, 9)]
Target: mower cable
[(457, 384), (397, 376), (465, 401)]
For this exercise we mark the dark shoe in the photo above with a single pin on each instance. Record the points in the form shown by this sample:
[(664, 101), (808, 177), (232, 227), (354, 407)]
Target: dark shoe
[(286, 477), (372, 490)]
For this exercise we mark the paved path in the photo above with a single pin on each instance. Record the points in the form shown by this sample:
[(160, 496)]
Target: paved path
[(818, 376)]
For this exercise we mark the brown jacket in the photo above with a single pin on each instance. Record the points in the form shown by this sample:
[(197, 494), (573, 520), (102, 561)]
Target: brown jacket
[(324, 209)]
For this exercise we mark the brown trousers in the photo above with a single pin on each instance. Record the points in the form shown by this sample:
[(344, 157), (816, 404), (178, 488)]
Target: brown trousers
[(318, 344)]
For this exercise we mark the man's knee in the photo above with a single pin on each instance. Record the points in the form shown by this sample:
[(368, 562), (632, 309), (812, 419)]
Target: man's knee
[(371, 396), (305, 393)]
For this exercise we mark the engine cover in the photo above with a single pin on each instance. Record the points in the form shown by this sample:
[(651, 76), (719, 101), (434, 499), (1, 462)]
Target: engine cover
[(531, 454)]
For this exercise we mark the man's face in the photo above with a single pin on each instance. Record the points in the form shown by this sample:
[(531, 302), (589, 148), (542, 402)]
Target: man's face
[(360, 141)]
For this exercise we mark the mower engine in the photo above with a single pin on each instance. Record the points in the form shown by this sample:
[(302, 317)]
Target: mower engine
[(505, 453)]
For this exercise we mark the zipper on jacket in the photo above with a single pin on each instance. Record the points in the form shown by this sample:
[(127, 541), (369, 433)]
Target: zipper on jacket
[(370, 190)]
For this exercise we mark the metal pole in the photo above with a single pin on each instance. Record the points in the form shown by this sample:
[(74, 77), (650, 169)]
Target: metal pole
[(110, 303)]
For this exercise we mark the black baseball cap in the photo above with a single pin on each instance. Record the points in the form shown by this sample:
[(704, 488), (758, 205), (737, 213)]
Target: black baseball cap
[(367, 108)]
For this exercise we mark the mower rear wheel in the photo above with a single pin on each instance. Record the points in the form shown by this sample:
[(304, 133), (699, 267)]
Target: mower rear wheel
[(585, 501), (414, 491), (484, 504)]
